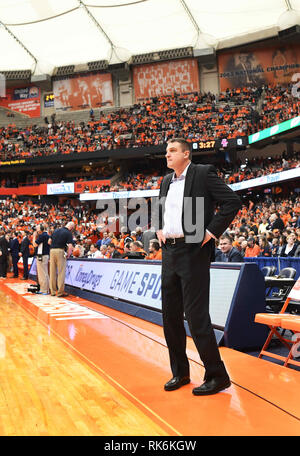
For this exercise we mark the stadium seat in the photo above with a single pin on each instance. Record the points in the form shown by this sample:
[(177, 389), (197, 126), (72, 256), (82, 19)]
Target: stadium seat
[(268, 271), (275, 301)]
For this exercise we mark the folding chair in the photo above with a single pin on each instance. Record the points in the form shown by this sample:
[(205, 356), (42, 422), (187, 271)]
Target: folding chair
[(292, 324), (276, 299), (285, 321)]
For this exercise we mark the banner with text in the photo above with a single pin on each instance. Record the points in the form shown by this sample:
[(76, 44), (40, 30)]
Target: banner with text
[(25, 100), (255, 67), (165, 78)]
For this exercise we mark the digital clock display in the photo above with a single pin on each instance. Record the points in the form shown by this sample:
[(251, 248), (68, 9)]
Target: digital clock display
[(204, 145)]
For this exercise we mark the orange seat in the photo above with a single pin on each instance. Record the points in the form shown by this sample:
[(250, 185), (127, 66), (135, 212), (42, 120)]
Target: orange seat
[(268, 319), (285, 321)]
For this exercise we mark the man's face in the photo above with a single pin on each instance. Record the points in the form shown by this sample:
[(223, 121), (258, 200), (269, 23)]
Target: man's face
[(224, 245), (176, 157)]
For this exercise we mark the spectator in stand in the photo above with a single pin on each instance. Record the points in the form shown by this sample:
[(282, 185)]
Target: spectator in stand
[(112, 251), (252, 249), (262, 228), (93, 252), (226, 252), (289, 248), (139, 234), (127, 249), (154, 250), (137, 247), (265, 249), (275, 247), (103, 252), (275, 222), (244, 245)]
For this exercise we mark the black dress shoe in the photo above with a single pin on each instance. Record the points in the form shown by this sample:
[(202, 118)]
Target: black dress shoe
[(176, 382), (212, 386)]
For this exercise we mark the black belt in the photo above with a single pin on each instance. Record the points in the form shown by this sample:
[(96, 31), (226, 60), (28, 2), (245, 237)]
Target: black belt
[(175, 241)]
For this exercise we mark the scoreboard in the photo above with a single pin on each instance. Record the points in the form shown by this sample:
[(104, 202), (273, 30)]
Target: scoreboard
[(226, 143)]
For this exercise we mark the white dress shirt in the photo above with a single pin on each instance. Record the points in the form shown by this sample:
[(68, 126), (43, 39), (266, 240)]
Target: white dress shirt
[(173, 207)]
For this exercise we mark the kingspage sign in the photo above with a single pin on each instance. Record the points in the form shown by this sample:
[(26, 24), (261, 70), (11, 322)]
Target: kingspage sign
[(129, 281)]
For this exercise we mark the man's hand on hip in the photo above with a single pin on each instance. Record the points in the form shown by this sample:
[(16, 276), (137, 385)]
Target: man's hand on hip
[(160, 236)]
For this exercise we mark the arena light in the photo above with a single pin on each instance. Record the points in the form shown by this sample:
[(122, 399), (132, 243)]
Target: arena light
[(170, 54), (274, 130), (17, 74)]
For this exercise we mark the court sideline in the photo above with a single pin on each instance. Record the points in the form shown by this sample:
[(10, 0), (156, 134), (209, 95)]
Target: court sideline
[(73, 367)]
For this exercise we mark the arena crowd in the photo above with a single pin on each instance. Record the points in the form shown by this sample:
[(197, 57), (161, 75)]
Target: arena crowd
[(194, 116), (266, 228)]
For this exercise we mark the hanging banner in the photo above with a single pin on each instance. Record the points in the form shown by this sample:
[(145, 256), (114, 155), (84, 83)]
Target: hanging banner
[(25, 100), (165, 78), (255, 67), (89, 91)]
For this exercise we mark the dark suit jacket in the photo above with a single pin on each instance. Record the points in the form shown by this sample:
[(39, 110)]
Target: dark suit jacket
[(4, 246), (202, 181), (14, 247), (24, 247), (233, 257)]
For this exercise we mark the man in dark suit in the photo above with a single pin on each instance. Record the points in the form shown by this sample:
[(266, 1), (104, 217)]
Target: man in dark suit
[(226, 252), (14, 246), (187, 225), (24, 253), (4, 249)]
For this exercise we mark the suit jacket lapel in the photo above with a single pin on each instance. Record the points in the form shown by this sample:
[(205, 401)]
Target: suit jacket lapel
[(189, 180), (166, 185)]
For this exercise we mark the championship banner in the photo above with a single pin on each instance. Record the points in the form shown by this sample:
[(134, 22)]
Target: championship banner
[(25, 100), (90, 91), (165, 78), (272, 65)]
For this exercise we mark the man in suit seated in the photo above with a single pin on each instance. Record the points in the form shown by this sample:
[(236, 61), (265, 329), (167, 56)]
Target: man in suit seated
[(226, 252)]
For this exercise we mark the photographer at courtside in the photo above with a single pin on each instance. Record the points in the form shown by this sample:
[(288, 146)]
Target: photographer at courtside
[(40, 242)]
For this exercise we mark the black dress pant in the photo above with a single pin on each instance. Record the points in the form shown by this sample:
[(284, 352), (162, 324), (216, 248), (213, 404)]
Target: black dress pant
[(25, 267), (15, 260), (3, 265), (185, 292)]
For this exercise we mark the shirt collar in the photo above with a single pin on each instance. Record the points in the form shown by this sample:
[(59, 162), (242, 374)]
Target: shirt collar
[(182, 175)]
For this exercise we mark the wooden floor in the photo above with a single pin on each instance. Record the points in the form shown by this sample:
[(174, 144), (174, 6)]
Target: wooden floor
[(72, 367)]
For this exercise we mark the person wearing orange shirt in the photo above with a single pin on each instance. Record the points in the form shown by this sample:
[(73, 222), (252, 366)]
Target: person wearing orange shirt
[(252, 249), (154, 250)]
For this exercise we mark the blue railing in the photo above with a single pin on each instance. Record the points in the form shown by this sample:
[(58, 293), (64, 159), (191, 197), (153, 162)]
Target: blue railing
[(278, 262)]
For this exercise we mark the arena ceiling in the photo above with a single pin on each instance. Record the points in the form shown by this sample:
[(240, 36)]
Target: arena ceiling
[(43, 34)]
